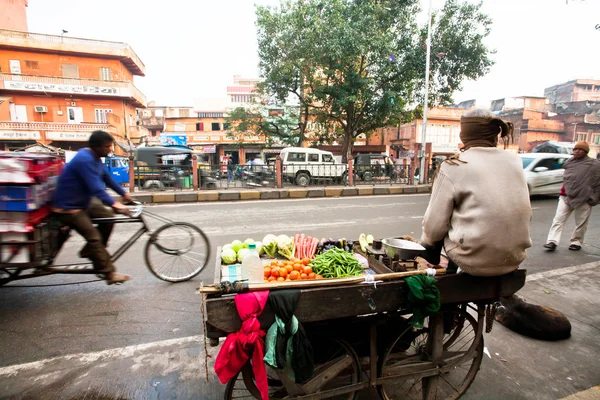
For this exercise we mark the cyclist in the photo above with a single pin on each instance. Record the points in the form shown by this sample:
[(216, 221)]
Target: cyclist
[(80, 185)]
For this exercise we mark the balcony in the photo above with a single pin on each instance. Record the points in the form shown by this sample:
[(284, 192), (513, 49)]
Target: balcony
[(52, 131), (137, 132), (71, 45), (78, 86)]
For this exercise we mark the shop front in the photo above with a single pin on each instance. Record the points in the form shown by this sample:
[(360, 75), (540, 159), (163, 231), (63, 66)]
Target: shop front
[(13, 140)]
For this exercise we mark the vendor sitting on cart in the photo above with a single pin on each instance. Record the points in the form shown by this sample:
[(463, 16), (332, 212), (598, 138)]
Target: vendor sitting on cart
[(479, 208), (83, 178)]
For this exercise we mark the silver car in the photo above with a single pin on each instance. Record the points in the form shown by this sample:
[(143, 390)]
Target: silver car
[(544, 172)]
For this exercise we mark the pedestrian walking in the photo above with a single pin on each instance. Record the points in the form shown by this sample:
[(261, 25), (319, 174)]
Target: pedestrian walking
[(230, 169), (580, 192)]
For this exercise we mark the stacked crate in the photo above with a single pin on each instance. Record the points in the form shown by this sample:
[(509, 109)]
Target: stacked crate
[(27, 185)]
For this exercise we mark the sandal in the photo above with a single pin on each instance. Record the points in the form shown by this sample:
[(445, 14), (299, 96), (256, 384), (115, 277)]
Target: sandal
[(575, 247), (550, 246)]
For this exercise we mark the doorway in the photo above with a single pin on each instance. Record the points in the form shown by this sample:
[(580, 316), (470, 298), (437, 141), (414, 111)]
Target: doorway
[(75, 115)]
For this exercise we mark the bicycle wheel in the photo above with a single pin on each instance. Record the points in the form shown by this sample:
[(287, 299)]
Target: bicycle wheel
[(336, 366), (177, 252), (408, 354)]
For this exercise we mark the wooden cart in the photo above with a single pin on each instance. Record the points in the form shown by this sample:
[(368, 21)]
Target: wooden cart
[(362, 339)]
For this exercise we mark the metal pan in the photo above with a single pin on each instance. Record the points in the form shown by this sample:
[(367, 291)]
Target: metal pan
[(406, 250)]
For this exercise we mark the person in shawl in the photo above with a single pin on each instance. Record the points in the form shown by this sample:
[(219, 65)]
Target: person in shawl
[(580, 192), (479, 209)]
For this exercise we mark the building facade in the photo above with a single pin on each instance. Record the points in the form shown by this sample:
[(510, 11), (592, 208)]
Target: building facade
[(574, 91), (57, 90), (13, 15), (242, 91)]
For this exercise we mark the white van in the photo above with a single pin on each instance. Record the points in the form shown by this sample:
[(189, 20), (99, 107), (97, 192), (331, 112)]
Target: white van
[(301, 165), (544, 172)]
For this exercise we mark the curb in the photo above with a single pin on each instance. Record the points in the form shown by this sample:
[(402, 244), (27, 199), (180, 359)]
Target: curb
[(274, 194)]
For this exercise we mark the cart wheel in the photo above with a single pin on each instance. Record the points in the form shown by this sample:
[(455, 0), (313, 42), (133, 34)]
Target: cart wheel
[(177, 251), (408, 355), (331, 355)]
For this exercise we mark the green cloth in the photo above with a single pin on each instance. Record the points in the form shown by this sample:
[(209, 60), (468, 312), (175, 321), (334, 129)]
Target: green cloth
[(423, 298), (276, 330)]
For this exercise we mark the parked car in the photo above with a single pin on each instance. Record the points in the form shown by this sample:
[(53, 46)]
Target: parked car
[(369, 166), (301, 165), (544, 172), (554, 147)]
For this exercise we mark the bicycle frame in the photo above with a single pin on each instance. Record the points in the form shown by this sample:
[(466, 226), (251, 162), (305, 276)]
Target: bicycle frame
[(46, 266)]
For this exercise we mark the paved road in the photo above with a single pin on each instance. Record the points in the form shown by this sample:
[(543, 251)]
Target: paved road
[(87, 320)]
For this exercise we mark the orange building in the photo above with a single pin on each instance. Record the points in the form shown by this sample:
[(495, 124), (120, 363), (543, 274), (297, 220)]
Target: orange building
[(13, 15), (57, 89)]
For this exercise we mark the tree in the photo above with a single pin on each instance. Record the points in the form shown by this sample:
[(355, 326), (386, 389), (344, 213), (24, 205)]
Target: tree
[(360, 64), (278, 124)]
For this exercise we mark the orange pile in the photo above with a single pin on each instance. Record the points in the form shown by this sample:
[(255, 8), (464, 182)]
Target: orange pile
[(289, 270)]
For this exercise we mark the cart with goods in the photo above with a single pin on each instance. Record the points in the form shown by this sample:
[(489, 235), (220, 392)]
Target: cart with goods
[(31, 239), (378, 320)]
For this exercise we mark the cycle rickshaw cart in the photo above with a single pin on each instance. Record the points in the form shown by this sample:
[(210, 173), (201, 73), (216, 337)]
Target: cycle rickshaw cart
[(174, 252), (362, 338)]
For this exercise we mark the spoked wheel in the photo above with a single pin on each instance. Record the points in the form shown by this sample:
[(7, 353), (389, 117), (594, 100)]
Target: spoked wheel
[(336, 366), (177, 251), (409, 354)]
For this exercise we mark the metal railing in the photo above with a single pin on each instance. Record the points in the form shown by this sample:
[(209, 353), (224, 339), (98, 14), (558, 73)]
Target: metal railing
[(316, 174), (382, 174), (247, 176), (45, 84), (55, 126), (9, 37), (163, 177)]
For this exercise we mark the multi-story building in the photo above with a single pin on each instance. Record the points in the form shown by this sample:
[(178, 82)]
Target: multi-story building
[(242, 91), (152, 120), (574, 91), (530, 117), (443, 132), (57, 89), (581, 122)]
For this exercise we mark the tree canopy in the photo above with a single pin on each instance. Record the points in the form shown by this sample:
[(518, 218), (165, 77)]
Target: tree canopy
[(358, 65)]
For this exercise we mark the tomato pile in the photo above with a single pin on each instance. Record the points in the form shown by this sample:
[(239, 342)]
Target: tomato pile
[(289, 270)]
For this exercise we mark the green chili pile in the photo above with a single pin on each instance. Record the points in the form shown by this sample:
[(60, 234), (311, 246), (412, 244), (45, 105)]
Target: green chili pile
[(336, 263)]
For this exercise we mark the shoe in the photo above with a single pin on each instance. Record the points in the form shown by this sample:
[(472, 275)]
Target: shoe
[(116, 278), (84, 254), (575, 247), (550, 246)]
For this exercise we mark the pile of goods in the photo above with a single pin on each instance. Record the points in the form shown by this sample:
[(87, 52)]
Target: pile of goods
[(292, 258), (27, 184)]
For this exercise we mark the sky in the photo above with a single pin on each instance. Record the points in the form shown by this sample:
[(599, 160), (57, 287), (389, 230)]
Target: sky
[(192, 48)]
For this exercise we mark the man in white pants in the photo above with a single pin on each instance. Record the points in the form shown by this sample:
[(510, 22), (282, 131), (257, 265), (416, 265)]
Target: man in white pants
[(580, 192)]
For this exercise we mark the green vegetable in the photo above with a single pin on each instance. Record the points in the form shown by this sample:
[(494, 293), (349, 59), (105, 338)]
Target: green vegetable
[(259, 248), (236, 245), (336, 263), (227, 246), (362, 239), (247, 242), (270, 245), (241, 254), (228, 256), (370, 239)]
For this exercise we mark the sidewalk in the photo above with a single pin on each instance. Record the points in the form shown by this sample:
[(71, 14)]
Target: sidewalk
[(235, 194)]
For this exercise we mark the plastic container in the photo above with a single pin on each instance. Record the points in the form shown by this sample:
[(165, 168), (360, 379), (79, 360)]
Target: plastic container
[(252, 267)]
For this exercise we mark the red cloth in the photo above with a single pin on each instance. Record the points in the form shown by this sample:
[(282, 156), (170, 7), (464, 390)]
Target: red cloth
[(248, 342), (562, 191)]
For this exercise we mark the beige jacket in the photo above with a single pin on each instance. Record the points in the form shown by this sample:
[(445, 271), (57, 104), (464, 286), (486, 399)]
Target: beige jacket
[(481, 210)]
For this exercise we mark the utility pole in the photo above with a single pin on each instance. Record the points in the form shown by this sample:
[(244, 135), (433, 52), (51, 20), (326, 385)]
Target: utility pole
[(425, 106)]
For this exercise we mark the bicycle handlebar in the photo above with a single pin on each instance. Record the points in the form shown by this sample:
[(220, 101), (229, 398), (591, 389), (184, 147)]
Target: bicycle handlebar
[(137, 210)]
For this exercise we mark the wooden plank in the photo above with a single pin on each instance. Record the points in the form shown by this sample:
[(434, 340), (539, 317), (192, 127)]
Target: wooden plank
[(328, 303)]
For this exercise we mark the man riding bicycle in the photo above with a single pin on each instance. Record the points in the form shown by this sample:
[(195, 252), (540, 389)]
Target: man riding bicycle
[(80, 186)]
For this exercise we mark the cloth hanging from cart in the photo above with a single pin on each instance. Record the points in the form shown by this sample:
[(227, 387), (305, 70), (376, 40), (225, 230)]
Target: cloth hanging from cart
[(246, 344), (286, 342), (423, 298)]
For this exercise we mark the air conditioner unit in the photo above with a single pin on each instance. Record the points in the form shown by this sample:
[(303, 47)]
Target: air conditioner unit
[(41, 109)]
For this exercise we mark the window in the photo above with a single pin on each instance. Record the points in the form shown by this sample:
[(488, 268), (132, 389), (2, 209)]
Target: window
[(184, 113), (327, 158), (102, 115), (581, 137), (200, 126), (153, 133), (70, 70), (526, 161), (210, 115), (551, 163), (597, 140), (313, 158), (32, 64), (296, 157), (105, 74), (215, 126)]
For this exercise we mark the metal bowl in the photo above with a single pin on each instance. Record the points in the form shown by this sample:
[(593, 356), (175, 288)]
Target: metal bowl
[(404, 249)]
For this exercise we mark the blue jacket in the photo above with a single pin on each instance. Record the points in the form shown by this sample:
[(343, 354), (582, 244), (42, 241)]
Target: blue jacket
[(81, 179)]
